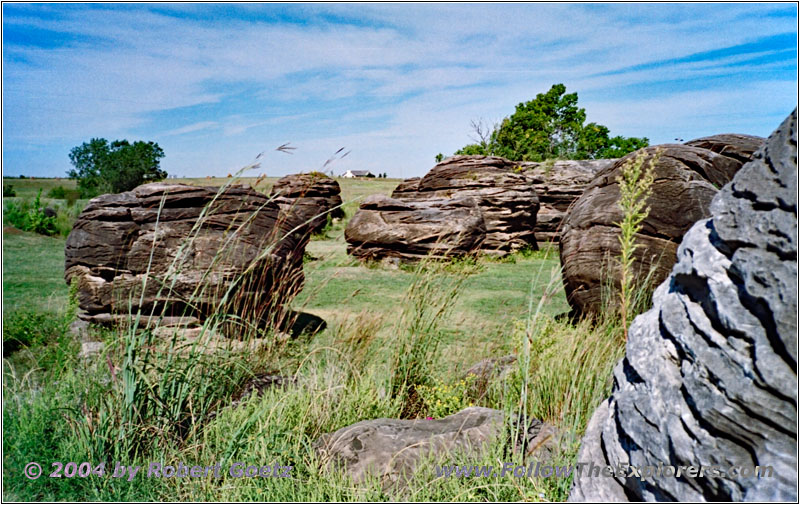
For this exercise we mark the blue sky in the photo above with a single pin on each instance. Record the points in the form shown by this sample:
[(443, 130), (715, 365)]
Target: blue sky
[(394, 84)]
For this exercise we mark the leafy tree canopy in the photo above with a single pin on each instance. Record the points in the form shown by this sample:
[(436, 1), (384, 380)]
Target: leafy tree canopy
[(551, 126), (120, 166)]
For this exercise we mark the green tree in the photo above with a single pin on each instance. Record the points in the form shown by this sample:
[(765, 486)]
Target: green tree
[(547, 127), (485, 138), (473, 149), (594, 143), (551, 126), (120, 166)]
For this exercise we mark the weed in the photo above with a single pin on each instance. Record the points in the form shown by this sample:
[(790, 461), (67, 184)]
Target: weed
[(444, 399), (547, 165), (429, 298), (32, 216), (27, 328), (392, 351), (635, 185), (355, 337), (322, 233)]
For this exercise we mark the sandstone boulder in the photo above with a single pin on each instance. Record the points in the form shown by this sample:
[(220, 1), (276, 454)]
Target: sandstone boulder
[(175, 250), (410, 230), (391, 449), (505, 195), (406, 186), (558, 184), (686, 179), (733, 145), (310, 197), (709, 377)]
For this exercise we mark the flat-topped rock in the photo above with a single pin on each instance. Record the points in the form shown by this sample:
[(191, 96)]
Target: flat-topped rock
[(391, 449), (506, 196), (175, 250), (410, 230)]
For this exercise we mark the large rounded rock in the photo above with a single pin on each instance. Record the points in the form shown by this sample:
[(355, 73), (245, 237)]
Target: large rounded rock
[(310, 197), (709, 378), (392, 449), (176, 250), (506, 196), (686, 179), (733, 145), (410, 230)]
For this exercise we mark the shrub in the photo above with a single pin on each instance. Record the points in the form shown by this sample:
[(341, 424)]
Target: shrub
[(58, 193), (33, 327), (29, 216), (61, 193), (428, 300), (26, 328), (8, 191)]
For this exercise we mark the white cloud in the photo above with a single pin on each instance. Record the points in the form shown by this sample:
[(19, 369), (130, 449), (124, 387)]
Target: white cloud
[(399, 83), (194, 127)]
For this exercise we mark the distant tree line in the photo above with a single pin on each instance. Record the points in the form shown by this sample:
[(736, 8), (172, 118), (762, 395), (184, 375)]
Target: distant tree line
[(551, 126)]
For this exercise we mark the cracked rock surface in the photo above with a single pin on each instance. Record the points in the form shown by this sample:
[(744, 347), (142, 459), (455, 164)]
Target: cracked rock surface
[(310, 197), (410, 230), (505, 195), (391, 449), (148, 234), (710, 372), (558, 184), (687, 177)]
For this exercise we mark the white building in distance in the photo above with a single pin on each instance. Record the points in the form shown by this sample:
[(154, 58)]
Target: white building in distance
[(358, 173)]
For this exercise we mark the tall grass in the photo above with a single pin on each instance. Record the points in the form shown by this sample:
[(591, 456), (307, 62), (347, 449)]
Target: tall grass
[(169, 387), (155, 394), (429, 299)]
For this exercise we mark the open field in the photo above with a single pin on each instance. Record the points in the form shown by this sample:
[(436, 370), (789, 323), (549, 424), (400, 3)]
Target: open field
[(27, 188), (337, 285), (345, 371)]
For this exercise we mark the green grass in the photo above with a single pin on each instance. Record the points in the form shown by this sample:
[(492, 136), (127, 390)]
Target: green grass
[(27, 188), (383, 340), (33, 271)]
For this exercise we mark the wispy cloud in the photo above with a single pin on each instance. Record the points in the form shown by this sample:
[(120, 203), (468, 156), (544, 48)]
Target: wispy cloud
[(215, 84), (194, 127)]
